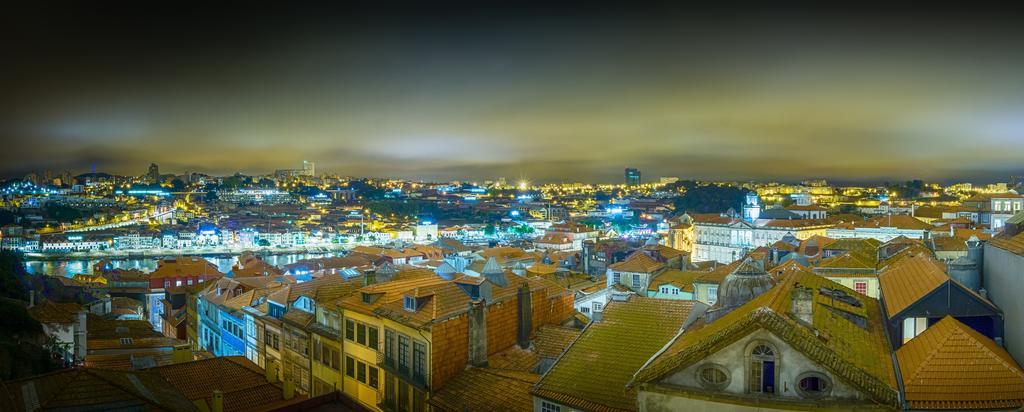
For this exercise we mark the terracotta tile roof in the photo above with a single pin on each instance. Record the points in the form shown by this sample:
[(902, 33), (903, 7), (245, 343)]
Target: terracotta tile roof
[(93, 389), (51, 312), (813, 245), (795, 223), (254, 266), (637, 262), (849, 260), (909, 280), (184, 267), (486, 389), (951, 366), (682, 279), (1012, 244), (593, 373), (784, 245), (908, 251), (898, 221), (665, 252), (244, 385), (442, 301), (297, 317), (383, 293), (550, 341), (716, 275), (503, 253), (855, 245), (514, 359), (857, 354), (711, 218), (542, 269), (947, 244)]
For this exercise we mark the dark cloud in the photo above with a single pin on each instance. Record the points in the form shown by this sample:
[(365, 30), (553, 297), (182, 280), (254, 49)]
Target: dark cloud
[(562, 94)]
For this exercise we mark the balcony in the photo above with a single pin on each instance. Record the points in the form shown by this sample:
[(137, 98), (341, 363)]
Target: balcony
[(419, 380)]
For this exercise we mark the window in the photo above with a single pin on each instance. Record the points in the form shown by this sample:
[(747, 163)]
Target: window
[(410, 303), (273, 340), (190, 281), (361, 334), (167, 283), (350, 329), (762, 369), (584, 309), (813, 385), (675, 291), (361, 372), (713, 377), (636, 280), (664, 289), (913, 327), (546, 406), (712, 295), (177, 282), (372, 337), (419, 359), (616, 277), (350, 367), (861, 287), (403, 352), (389, 346), (597, 306), (373, 377), (316, 351)]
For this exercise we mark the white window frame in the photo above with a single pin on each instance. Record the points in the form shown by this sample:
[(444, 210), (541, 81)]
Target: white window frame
[(546, 406)]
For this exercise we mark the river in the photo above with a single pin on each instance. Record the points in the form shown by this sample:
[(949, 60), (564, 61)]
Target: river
[(70, 268)]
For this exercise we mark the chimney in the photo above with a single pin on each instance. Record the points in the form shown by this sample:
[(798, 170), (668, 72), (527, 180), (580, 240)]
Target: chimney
[(80, 336), (181, 354), (271, 371), (803, 304), (477, 333), (289, 388), (218, 401), (525, 314)]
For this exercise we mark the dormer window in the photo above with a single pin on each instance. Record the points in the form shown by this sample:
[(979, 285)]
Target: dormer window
[(410, 303)]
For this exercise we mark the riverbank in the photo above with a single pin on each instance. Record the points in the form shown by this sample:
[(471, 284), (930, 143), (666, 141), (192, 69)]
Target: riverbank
[(203, 252)]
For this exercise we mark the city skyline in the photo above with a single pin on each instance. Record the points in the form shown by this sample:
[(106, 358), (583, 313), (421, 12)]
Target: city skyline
[(481, 95)]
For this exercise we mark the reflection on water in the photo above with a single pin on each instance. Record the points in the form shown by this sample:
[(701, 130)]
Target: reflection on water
[(70, 268)]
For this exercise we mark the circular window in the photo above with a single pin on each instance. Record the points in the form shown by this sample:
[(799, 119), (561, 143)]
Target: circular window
[(813, 385), (713, 376)]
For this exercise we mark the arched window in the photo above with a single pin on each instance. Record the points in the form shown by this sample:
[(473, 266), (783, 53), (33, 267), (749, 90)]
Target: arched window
[(762, 369)]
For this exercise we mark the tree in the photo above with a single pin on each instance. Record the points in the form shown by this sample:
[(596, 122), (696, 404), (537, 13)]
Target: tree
[(490, 230), (177, 185), (7, 217), (711, 199), (22, 341), (62, 213)]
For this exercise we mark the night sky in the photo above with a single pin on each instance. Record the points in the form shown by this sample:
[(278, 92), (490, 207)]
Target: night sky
[(568, 95)]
